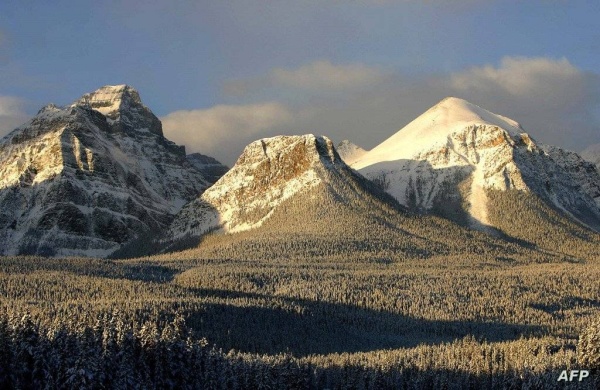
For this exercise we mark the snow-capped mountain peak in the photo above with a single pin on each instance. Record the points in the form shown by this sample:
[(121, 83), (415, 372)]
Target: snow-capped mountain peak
[(123, 108), (452, 155), (350, 152), (87, 178), (432, 129)]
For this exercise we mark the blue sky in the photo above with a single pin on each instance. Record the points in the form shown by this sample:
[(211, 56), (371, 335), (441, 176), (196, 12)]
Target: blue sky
[(223, 73)]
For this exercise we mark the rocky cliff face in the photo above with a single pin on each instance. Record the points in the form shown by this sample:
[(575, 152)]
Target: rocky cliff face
[(123, 109), (87, 178), (584, 173), (448, 159)]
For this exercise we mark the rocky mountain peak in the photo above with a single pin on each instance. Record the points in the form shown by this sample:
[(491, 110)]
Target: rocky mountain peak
[(450, 120), (288, 155), (109, 99), (48, 108), (268, 172), (452, 156), (123, 108), (88, 178), (592, 154)]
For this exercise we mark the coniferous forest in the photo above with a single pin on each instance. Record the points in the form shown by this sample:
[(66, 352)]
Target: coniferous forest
[(182, 320)]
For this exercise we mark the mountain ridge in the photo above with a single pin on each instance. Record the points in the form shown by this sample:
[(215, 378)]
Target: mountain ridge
[(592, 154), (463, 154), (350, 152), (76, 182), (320, 208)]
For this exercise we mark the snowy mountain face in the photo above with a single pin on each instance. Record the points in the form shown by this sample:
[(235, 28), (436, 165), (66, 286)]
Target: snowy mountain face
[(350, 152), (584, 173), (123, 109), (269, 173), (293, 197), (84, 179), (447, 160)]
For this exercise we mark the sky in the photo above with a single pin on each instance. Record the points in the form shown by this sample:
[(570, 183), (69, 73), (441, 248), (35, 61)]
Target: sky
[(220, 74)]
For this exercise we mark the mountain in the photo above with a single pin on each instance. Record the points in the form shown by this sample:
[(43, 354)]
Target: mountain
[(82, 180), (584, 173), (294, 197), (463, 162), (350, 152), (209, 167), (592, 154), (268, 172), (287, 192)]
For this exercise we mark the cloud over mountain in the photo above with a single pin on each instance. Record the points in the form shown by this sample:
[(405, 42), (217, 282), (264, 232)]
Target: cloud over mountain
[(12, 114), (555, 101), (325, 75), (224, 129)]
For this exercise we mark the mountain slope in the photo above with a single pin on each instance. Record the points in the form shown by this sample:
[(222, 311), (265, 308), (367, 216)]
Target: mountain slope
[(293, 197), (585, 173), (449, 160), (211, 169), (84, 179), (350, 152)]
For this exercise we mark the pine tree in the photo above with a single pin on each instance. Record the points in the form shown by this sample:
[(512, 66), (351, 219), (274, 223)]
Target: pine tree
[(588, 349)]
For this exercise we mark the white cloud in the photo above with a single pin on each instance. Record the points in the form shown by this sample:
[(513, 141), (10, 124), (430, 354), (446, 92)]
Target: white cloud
[(222, 131), (323, 75), (12, 114), (522, 77), (320, 77), (555, 101)]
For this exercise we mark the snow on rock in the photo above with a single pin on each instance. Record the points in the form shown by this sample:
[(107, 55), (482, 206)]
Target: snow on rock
[(268, 172), (583, 172), (123, 108), (211, 169), (456, 151), (350, 152), (85, 179), (432, 129)]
